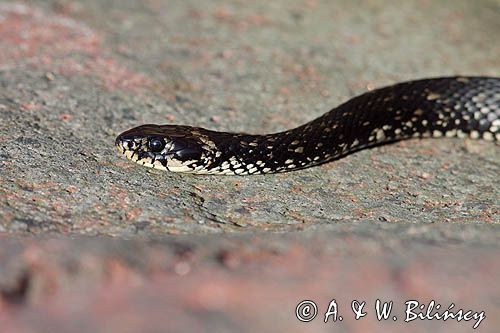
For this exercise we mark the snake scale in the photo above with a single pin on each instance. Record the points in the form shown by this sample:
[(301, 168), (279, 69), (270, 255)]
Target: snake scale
[(437, 107)]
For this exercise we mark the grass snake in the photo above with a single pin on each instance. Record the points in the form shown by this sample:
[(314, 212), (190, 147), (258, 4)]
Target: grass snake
[(438, 107)]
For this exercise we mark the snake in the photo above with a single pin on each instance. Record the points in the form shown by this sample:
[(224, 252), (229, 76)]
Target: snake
[(459, 106)]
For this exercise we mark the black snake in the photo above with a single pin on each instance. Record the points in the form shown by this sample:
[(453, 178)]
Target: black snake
[(449, 106)]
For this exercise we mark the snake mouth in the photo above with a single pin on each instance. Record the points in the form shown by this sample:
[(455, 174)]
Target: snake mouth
[(144, 159), (120, 144), (125, 147), (119, 147), (128, 147)]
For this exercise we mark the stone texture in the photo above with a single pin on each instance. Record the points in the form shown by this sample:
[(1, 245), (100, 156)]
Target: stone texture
[(417, 219)]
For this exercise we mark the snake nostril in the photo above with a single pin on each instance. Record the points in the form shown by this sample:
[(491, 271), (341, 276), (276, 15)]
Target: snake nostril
[(129, 145), (126, 144)]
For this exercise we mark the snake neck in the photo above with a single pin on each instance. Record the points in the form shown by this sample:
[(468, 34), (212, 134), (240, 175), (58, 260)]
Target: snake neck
[(448, 107)]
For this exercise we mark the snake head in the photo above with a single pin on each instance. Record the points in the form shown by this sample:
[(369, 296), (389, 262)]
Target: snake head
[(167, 147)]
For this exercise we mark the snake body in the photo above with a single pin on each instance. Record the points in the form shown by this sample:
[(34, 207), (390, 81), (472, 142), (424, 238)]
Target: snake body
[(449, 106)]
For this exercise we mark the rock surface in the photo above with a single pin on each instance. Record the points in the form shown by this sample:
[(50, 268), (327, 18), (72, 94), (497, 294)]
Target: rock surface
[(90, 237)]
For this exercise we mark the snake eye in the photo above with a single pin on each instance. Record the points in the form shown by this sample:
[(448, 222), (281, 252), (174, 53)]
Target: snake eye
[(156, 145)]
